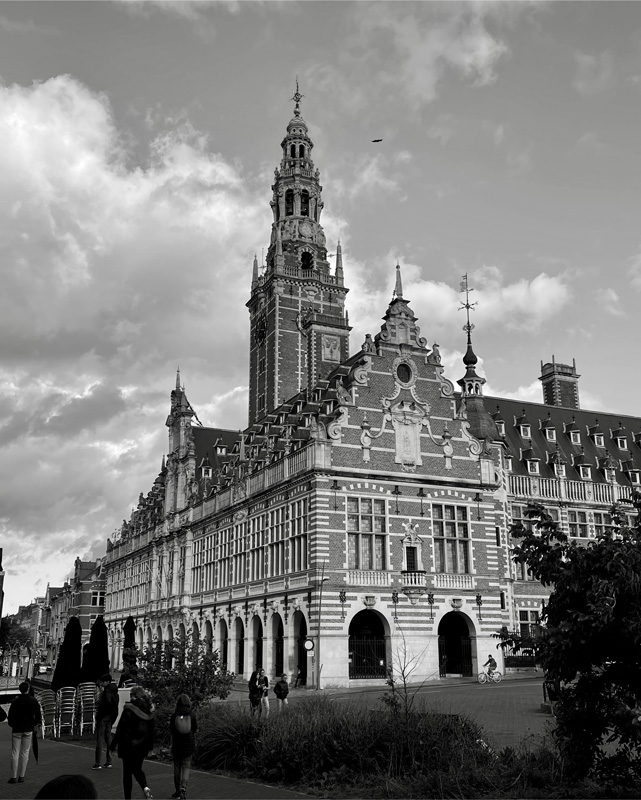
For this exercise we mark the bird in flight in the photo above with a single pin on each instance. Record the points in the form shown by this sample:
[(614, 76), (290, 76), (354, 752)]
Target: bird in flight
[(377, 140)]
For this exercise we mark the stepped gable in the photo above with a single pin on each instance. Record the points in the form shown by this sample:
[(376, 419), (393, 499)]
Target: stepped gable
[(563, 421)]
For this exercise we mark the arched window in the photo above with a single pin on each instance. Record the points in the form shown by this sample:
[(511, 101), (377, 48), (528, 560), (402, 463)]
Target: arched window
[(289, 202), (304, 203), (292, 151), (301, 151), (306, 261)]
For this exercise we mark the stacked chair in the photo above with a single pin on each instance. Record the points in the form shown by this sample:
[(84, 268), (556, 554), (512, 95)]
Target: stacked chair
[(87, 706), (66, 716), (48, 710)]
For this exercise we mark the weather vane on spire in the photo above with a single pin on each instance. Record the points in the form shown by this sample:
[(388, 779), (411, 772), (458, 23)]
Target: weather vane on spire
[(297, 97), (468, 327)]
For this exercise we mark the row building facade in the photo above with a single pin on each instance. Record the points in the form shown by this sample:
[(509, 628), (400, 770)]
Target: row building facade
[(360, 522)]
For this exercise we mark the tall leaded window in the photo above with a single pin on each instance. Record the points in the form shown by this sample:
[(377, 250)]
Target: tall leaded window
[(578, 521), (529, 624), (451, 538), (366, 526), (602, 522), (298, 511)]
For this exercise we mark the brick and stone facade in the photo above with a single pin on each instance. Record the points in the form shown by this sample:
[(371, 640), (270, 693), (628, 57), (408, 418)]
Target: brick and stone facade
[(360, 522)]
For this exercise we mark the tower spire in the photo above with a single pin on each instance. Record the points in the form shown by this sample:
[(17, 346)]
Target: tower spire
[(339, 260), (178, 379), (471, 384), (398, 288), (297, 97), (255, 271)]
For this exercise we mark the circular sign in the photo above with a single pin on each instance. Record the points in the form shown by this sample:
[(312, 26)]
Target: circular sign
[(308, 644)]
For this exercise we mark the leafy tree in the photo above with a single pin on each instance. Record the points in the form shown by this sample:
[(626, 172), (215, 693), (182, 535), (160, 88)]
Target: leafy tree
[(11, 632), (592, 638), (167, 669)]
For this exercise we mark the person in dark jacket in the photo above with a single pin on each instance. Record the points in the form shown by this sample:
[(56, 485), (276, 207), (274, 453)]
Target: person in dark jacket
[(183, 726), (133, 739), (24, 716), (106, 715), (255, 694), (281, 690)]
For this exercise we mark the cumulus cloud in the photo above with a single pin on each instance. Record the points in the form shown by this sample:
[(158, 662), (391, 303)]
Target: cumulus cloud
[(611, 303), (113, 274), (593, 74), (429, 41)]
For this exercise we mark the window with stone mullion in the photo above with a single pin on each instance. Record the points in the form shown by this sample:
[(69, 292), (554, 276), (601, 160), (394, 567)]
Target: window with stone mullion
[(366, 525), (451, 538)]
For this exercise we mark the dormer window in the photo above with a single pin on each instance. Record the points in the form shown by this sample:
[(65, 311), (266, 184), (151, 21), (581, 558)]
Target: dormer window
[(525, 431), (221, 449), (622, 442), (207, 472), (533, 467), (508, 463), (575, 437), (550, 434), (501, 427), (635, 477), (599, 441), (559, 470), (585, 472)]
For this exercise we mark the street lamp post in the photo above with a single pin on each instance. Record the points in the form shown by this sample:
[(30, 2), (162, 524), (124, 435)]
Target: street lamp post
[(318, 629)]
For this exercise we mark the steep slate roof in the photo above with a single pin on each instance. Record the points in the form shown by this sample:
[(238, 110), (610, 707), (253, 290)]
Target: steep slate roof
[(585, 422)]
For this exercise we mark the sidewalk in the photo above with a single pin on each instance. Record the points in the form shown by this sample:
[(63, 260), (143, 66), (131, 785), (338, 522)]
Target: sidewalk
[(58, 758)]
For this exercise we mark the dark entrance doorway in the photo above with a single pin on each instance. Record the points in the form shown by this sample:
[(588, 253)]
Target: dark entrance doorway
[(454, 645), (258, 643), (240, 647), (224, 650), (301, 653), (367, 651), (279, 642)]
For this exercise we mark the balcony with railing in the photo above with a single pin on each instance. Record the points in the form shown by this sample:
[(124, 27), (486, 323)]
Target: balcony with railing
[(532, 488)]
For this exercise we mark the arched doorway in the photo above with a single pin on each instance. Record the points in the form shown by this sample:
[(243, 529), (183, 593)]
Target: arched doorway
[(367, 649), (239, 635), (300, 634), (224, 643), (257, 636), (209, 635), (278, 638), (454, 645)]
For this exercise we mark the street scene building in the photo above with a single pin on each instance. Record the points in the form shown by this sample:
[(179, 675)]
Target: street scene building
[(360, 522)]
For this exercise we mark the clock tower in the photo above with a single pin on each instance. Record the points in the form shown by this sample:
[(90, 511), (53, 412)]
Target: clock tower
[(298, 324)]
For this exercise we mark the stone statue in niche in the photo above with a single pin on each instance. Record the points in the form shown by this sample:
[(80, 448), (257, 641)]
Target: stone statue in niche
[(407, 420)]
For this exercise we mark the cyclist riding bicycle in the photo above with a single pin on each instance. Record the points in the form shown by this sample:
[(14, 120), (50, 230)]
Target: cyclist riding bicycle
[(490, 664)]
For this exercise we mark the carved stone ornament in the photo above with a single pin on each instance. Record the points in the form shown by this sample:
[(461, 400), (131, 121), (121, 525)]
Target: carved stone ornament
[(407, 421), (334, 428), (411, 532), (358, 373), (331, 348)]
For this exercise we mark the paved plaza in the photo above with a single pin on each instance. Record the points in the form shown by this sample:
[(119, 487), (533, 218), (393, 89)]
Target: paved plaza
[(510, 713)]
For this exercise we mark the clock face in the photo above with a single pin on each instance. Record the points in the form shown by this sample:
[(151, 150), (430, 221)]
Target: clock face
[(309, 645)]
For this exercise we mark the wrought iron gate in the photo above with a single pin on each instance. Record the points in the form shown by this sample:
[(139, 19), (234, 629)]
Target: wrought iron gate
[(367, 657)]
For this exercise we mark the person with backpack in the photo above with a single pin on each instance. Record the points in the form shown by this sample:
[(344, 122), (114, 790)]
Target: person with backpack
[(255, 693), (262, 683), (106, 715), (281, 690), (183, 726), (134, 738)]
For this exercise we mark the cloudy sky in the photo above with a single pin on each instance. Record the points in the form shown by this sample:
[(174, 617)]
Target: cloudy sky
[(137, 145)]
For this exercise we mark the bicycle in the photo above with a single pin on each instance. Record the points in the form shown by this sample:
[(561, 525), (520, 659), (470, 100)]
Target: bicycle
[(494, 677)]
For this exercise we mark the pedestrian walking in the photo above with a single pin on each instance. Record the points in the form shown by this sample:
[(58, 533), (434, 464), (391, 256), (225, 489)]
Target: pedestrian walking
[(281, 690), (299, 677), (106, 715), (255, 693), (263, 686), (133, 739), (183, 726), (23, 718)]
